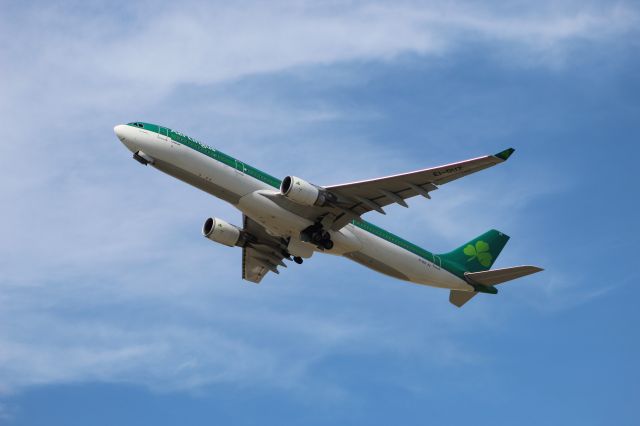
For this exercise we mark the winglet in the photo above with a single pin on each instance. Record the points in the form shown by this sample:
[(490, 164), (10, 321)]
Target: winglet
[(504, 155)]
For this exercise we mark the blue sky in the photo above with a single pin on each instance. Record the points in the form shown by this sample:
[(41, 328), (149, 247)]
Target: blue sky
[(113, 308)]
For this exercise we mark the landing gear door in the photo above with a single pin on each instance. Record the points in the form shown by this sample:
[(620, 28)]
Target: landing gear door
[(163, 133)]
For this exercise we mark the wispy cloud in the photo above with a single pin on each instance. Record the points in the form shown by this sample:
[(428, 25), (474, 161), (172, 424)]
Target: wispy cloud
[(151, 50), (240, 335), (555, 292)]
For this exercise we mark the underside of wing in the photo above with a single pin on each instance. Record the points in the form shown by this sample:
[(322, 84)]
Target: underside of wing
[(341, 204), (253, 268), (263, 254), (372, 195), (499, 276)]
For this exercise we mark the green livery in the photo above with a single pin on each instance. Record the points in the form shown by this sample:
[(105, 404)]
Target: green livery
[(478, 254), (325, 219)]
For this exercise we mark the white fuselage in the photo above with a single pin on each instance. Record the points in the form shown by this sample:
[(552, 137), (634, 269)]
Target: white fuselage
[(247, 194)]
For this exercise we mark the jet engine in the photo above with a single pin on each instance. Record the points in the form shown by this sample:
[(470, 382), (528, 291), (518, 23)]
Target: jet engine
[(222, 232), (302, 192)]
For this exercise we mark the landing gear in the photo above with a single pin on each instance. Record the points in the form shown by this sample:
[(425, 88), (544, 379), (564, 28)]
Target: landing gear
[(142, 158), (318, 236), (327, 244), (298, 260)]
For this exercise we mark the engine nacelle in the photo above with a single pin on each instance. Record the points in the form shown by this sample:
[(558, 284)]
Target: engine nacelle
[(221, 232), (302, 192)]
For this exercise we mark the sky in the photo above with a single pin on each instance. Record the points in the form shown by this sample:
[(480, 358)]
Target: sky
[(115, 310)]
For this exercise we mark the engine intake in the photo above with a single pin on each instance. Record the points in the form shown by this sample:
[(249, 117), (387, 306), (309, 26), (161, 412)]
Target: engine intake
[(302, 192), (221, 232)]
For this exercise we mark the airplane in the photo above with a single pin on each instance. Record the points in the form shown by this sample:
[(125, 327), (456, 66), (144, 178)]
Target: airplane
[(291, 219)]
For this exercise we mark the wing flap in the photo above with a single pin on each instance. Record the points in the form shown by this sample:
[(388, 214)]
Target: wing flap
[(263, 254), (252, 270)]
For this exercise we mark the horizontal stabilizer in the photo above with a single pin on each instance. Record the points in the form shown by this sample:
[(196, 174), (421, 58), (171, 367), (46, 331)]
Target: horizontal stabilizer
[(497, 276), (459, 298)]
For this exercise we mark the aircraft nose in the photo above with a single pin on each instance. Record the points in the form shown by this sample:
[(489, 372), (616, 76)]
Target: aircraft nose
[(126, 136), (119, 130)]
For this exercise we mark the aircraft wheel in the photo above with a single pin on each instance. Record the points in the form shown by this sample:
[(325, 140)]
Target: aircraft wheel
[(327, 244), (298, 260)]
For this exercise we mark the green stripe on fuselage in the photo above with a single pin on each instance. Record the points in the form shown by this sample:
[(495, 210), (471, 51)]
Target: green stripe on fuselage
[(214, 153), (182, 139)]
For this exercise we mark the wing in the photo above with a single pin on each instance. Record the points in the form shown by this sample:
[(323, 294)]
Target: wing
[(262, 254), (368, 195), (351, 200)]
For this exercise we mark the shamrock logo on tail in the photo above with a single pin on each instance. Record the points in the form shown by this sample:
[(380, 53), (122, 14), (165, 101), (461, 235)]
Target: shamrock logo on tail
[(480, 252)]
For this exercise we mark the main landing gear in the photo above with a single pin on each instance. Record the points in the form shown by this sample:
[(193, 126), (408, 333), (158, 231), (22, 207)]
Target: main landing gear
[(315, 234)]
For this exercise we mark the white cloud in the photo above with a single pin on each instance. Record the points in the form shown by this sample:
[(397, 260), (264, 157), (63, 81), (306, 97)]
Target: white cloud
[(217, 331), (148, 51)]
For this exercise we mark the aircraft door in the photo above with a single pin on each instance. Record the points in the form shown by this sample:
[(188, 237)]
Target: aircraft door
[(163, 133), (240, 166)]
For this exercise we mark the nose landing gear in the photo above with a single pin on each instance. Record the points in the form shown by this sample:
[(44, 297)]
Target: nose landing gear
[(142, 158)]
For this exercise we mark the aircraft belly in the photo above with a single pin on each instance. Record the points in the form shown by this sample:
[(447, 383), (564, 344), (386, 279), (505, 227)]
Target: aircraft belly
[(275, 219), (197, 181), (225, 176), (279, 221), (375, 264), (201, 171), (345, 241), (385, 257), (439, 277)]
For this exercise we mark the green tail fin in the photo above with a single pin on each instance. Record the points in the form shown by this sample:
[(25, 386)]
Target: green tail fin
[(478, 254)]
